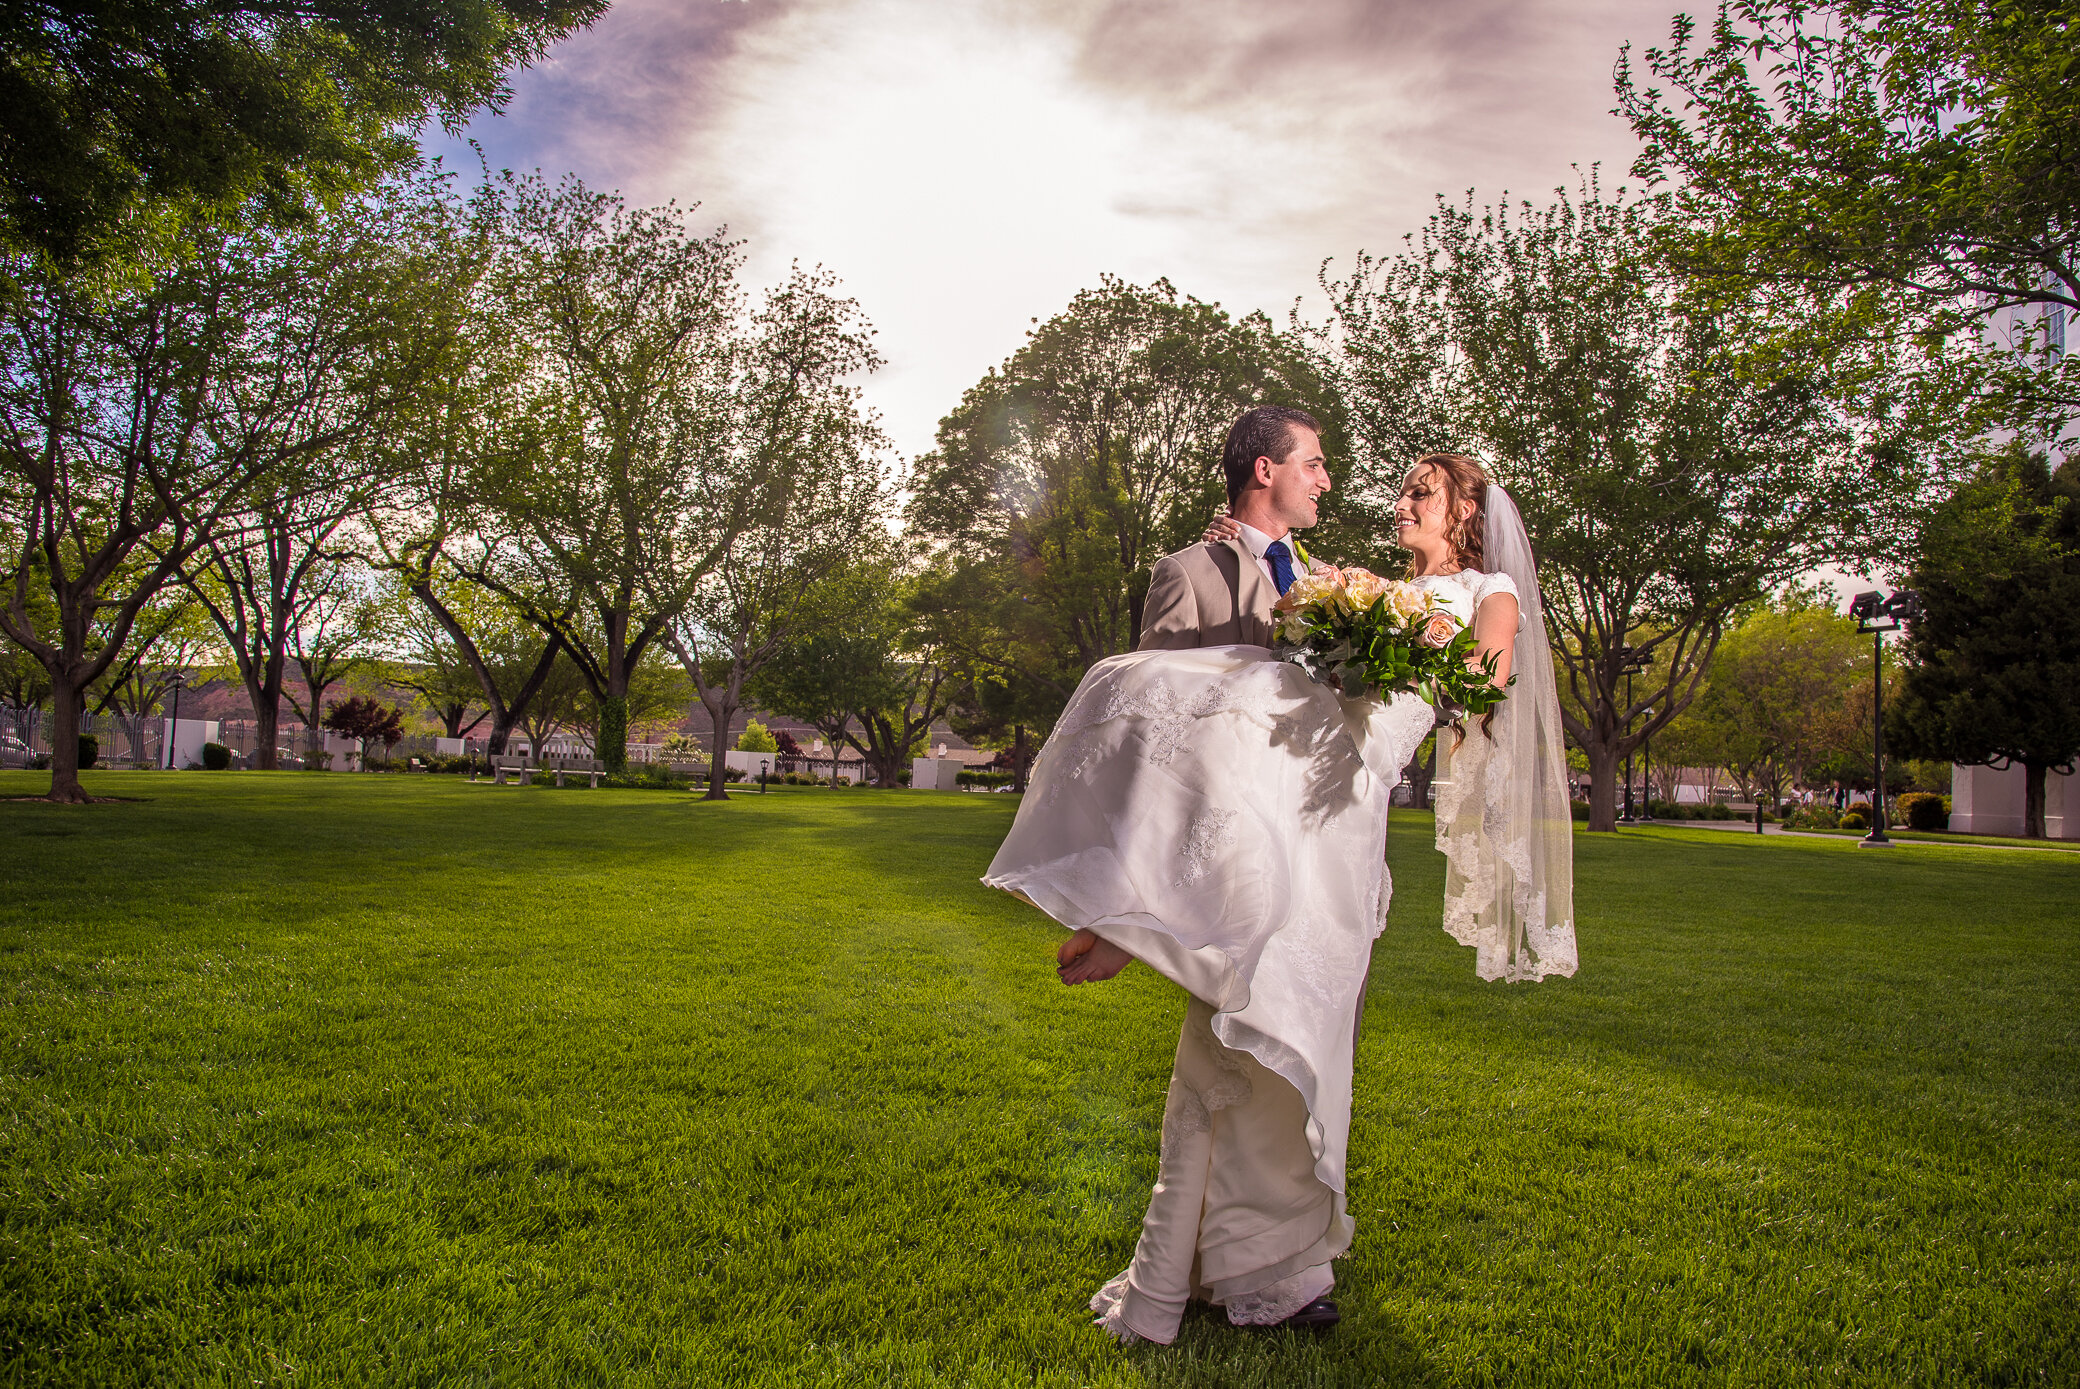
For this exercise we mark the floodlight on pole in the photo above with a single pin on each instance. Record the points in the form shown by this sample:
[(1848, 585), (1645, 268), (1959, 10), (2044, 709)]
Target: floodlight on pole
[(173, 727), (1877, 614), (1631, 661)]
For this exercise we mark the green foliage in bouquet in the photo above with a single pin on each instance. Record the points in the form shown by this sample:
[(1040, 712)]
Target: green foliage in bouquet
[(1366, 635)]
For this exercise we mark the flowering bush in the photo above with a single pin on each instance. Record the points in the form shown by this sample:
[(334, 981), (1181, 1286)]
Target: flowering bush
[(1370, 635)]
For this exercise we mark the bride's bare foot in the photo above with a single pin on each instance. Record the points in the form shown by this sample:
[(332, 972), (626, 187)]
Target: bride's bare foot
[(1087, 957)]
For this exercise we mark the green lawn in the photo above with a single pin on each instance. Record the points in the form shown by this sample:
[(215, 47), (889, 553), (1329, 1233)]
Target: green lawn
[(334, 1079)]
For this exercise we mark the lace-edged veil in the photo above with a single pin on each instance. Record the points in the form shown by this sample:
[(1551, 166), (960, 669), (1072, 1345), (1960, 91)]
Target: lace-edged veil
[(1506, 830)]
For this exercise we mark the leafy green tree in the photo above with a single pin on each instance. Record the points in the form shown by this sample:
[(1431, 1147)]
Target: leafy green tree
[(126, 120), (138, 424), (363, 346), (1668, 475), (171, 637), (608, 495), (1779, 684), (806, 459), (1900, 167), (875, 682), (1992, 665), (756, 738), (1094, 451)]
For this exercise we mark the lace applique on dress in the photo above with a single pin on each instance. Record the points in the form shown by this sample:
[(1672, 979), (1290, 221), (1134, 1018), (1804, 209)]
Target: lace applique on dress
[(1272, 1304), (1210, 832)]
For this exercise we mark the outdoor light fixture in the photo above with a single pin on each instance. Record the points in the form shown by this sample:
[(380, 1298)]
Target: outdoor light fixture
[(1878, 614), (173, 730), (1631, 660)]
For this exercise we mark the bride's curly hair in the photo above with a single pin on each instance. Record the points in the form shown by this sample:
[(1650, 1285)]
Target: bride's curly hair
[(1464, 481)]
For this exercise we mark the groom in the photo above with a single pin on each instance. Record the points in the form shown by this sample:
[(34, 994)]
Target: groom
[(1237, 1215)]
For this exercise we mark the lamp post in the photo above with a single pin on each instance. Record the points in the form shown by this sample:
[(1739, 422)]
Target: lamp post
[(1877, 614), (765, 765), (1631, 660), (173, 728)]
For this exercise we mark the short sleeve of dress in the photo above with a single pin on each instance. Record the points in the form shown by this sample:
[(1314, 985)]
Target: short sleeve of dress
[(1492, 584)]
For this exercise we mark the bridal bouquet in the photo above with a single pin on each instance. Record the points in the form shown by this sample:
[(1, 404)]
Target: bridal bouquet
[(1382, 636)]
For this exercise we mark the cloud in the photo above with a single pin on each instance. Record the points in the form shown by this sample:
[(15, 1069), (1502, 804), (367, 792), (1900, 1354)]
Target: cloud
[(967, 167)]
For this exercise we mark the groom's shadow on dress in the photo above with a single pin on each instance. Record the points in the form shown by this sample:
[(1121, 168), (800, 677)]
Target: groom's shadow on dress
[(1330, 760)]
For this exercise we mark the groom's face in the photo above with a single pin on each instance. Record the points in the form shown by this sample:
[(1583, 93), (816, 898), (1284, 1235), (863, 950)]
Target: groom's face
[(1297, 479)]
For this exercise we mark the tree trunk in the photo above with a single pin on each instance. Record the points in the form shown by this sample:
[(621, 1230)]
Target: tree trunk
[(612, 748), (2032, 799), (1603, 787), (65, 709), (1020, 763), (267, 720), (722, 707), (1420, 772)]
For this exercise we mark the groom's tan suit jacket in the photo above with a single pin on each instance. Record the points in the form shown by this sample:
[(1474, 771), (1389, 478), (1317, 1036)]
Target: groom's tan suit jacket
[(1207, 595)]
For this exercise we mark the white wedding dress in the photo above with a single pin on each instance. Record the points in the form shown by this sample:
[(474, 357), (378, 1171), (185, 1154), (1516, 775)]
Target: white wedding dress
[(1222, 817)]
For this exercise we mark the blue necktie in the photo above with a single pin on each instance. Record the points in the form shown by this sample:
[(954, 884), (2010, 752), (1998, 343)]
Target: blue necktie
[(1281, 565)]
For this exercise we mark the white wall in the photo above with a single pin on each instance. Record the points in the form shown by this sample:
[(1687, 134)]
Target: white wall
[(1985, 801), (186, 738), (936, 773)]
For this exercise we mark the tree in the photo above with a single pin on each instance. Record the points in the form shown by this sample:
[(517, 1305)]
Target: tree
[(1668, 472), (806, 464), (1778, 687), (133, 428), (368, 721), (601, 488), (361, 347), (125, 121), (755, 738), (340, 625), (171, 637), (1903, 167), (1095, 450), (874, 683), (1992, 665)]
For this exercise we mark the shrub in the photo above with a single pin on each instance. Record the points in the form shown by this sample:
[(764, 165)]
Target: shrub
[(1578, 809), (1719, 810), (756, 738), (1853, 820), (89, 750), (982, 779), (1862, 808), (215, 756), (316, 760), (1924, 811)]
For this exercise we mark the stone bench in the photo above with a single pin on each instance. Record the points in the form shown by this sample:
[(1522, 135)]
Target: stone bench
[(590, 767)]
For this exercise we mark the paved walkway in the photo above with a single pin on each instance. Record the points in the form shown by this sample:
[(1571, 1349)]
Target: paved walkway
[(1748, 827)]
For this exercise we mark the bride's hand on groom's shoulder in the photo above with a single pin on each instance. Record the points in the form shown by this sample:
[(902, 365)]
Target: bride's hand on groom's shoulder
[(1221, 529), (1087, 958)]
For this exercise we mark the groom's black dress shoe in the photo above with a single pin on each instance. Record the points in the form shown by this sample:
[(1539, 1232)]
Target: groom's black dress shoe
[(1318, 1315)]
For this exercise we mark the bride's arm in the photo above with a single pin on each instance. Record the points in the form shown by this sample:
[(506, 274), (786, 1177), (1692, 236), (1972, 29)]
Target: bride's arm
[(1495, 632)]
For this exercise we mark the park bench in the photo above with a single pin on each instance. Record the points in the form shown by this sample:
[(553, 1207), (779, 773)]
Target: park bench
[(500, 766), (576, 766)]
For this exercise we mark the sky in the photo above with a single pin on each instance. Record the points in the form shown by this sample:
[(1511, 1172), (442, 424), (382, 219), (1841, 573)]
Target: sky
[(966, 167)]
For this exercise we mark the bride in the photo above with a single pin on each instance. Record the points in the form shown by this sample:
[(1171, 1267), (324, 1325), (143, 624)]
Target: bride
[(1216, 814)]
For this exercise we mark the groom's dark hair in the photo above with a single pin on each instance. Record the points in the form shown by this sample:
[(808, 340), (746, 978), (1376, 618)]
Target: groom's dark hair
[(1265, 432)]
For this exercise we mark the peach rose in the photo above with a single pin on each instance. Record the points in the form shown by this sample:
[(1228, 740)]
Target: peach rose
[(1438, 629)]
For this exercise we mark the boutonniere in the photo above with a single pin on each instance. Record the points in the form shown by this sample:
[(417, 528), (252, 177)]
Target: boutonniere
[(1301, 551)]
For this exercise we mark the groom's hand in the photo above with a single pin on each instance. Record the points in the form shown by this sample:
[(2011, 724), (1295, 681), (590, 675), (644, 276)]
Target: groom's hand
[(1087, 957)]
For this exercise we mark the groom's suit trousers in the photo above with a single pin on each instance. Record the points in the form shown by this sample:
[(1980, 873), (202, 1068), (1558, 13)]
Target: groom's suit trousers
[(1237, 1207)]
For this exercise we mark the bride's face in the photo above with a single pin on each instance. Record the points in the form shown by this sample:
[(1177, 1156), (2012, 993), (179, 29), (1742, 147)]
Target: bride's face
[(1422, 512)]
